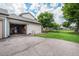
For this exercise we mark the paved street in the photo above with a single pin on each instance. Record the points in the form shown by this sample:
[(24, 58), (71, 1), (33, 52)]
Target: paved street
[(37, 46)]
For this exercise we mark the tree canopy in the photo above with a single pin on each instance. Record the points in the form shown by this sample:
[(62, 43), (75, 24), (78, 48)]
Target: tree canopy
[(71, 13), (54, 25), (66, 24), (45, 19)]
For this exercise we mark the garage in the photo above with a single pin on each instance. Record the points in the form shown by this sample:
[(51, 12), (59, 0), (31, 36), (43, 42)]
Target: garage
[(17, 29), (11, 24), (0, 29)]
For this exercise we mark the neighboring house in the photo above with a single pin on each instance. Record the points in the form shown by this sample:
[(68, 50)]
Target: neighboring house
[(25, 23)]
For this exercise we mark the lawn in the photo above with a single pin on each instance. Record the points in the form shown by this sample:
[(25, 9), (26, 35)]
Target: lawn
[(61, 34)]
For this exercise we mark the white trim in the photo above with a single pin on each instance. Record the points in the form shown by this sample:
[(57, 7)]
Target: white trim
[(6, 27)]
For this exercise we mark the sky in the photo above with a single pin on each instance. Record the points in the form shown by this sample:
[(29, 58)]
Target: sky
[(35, 9)]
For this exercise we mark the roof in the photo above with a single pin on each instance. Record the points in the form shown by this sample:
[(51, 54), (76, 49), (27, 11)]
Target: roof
[(13, 16), (22, 14), (22, 18), (3, 11)]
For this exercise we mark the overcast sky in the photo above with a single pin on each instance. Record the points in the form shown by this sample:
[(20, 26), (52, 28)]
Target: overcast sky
[(35, 9)]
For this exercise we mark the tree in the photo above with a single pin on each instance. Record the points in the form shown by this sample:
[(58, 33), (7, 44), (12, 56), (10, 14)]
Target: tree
[(66, 24), (71, 13), (54, 25), (45, 19)]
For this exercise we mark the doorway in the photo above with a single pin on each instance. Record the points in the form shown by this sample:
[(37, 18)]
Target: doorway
[(17, 29)]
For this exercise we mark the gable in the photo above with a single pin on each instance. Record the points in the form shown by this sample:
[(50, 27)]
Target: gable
[(21, 18), (27, 15)]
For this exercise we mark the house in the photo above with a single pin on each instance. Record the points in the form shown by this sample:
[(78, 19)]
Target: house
[(11, 24)]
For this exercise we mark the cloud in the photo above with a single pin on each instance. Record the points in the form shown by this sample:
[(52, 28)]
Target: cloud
[(27, 6), (58, 15), (35, 9), (56, 10), (19, 8), (8, 6), (40, 7), (13, 8)]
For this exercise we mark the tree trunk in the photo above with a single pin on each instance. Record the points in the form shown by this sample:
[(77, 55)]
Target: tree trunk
[(45, 29)]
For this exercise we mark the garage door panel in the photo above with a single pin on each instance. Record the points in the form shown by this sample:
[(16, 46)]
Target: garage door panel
[(0, 29)]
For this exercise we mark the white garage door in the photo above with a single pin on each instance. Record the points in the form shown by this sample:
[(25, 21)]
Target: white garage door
[(0, 29)]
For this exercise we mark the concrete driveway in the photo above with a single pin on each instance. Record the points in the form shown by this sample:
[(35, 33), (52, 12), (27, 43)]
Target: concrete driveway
[(37, 46)]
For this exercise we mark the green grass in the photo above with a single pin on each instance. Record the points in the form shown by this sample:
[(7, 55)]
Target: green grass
[(62, 34)]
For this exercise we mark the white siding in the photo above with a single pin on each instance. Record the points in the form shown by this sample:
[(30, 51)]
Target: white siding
[(30, 27), (5, 27), (0, 29), (33, 28), (28, 16), (16, 21)]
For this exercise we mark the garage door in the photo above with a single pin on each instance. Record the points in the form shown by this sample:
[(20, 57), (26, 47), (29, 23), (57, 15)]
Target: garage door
[(0, 29)]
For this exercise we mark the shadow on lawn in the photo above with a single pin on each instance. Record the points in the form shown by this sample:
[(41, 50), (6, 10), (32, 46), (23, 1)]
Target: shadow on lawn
[(74, 33), (62, 31), (54, 31)]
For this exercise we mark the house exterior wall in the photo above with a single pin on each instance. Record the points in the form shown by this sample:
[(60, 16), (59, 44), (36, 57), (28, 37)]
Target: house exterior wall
[(18, 22), (30, 27), (6, 27), (33, 28), (28, 16), (3, 15), (1, 26), (0, 29)]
